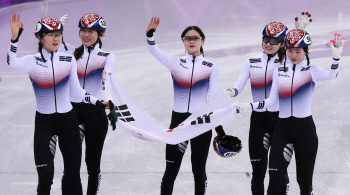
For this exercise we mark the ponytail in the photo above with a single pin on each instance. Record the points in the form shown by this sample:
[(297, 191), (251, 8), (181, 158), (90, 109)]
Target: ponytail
[(99, 42), (281, 54), (285, 59), (65, 46), (307, 55), (40, 49), (79, 52)]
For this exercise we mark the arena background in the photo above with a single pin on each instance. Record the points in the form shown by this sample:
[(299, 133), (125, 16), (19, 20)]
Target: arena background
[(233, 33)]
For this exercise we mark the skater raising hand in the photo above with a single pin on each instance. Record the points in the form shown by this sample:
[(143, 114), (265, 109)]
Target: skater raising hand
[(16, 26), (152, 25), (54, 78), (292, 91), (195, 78)]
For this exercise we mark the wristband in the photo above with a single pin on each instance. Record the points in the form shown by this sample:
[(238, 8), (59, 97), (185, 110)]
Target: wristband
[(150, 32), (19, 34)]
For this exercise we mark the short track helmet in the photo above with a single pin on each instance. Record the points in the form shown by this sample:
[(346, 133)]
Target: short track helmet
[(47, 25), (275, 29), (228, 146), (297, 38), (93, 21)]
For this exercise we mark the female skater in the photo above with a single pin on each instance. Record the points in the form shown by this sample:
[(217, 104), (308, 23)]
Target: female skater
[(194, 77), (294, 84), (259, 69), (92, 63), (54, 77)]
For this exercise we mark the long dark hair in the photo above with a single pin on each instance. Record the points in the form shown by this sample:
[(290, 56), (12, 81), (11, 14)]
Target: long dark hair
[(306, 49), (196, 28), (40, 49), (281, 54), (80, 50)]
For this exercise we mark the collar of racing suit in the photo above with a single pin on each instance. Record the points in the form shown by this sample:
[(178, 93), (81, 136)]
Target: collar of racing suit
[(299, 66), (47, 55), (266, 56), (190, 57), (92, 47)]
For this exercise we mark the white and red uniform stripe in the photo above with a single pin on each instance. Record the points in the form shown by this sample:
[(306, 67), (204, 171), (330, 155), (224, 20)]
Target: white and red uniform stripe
[(53, 81), (259, 70), (192, 78), (295, 88)]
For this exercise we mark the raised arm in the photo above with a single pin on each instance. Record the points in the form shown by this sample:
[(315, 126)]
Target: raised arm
[(318, 74), (17, 28), (166, 59)]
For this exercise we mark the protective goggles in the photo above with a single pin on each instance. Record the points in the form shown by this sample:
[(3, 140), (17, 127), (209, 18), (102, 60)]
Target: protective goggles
[(271, 40), (191, 38)]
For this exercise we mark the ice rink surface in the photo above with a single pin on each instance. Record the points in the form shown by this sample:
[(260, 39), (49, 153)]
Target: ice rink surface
[(233, 33)]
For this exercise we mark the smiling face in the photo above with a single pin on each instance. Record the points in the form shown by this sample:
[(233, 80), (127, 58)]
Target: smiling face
[(51, 41), (296, 55), (88, 36), (271, 49), (193, 42)]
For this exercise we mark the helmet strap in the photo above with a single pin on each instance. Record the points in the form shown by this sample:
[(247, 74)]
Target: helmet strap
[(65, 46), (285, 59)]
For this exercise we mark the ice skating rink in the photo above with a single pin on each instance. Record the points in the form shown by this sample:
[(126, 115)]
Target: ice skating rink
[(233, 33)]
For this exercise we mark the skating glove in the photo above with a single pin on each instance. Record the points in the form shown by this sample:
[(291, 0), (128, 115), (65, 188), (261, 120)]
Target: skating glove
[(230, 91), (150, 32), (19, 34), (100, 104), (64, 20), (220, 131), (112, 116), (305, 19), (242, 107), (336, 45)]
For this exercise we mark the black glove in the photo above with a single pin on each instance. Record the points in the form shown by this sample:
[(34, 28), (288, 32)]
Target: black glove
[(100, 104), (19, 34), (112, 116), (150, 32), (220, 131)]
